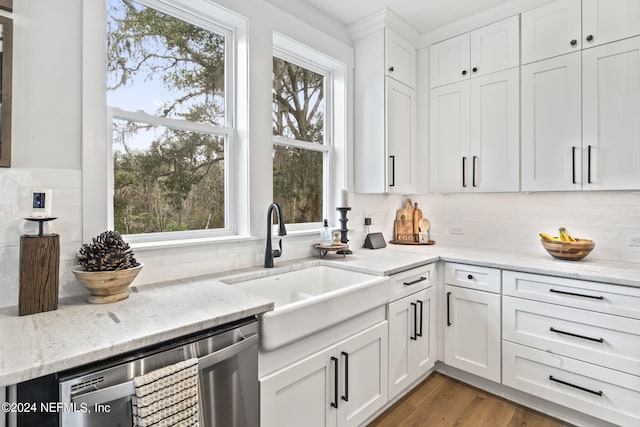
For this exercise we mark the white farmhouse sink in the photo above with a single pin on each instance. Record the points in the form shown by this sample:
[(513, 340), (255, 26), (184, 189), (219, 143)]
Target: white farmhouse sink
[(310, 299)]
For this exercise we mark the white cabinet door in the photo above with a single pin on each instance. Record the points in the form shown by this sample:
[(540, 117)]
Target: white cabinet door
[(495, 47), (604, 21), (551, 30), (495, 132), (412, 339), (551, 124), (363, 375), (300, 395), (448, 137), (402, 149), (611, 116), (472, 332), (400, 58), (449, 61)]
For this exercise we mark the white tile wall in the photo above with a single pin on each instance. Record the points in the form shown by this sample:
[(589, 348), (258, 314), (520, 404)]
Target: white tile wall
[(502, 221)]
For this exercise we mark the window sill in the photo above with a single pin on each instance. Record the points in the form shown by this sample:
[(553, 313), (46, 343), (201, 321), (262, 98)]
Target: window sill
[(179, 243)]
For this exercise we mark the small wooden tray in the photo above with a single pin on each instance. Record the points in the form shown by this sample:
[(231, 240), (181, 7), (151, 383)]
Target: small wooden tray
[(408, 242), (325, 249)]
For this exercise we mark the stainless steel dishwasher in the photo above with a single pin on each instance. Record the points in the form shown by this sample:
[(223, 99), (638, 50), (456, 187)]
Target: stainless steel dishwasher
[(229, 390)]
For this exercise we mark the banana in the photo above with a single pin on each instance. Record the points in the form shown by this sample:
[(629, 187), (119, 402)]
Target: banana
[(549, 238), (565, 236)]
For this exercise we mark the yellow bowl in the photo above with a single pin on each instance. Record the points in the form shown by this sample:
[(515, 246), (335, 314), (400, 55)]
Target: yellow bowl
[(572, 251)]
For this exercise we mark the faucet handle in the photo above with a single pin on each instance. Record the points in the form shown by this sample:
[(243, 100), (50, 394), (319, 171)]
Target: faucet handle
[(278, 252)]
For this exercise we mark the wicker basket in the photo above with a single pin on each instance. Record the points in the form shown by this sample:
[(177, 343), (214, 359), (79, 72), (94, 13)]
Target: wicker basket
[(572, 251)]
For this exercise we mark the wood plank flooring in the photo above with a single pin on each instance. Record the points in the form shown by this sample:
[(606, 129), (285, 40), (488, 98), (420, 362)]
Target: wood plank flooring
[(440, 401)]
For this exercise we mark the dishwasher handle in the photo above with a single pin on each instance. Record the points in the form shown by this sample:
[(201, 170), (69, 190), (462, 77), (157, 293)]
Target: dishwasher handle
[(125, 389)]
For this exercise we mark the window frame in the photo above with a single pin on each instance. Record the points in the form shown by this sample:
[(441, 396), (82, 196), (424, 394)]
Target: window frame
[(327, 147), (228, 131)]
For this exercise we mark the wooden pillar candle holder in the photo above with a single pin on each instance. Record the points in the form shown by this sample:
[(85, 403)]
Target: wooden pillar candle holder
[(39, 271)]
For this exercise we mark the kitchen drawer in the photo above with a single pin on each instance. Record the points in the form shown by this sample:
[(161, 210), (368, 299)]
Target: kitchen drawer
[(603, 393), (605, 298), (573, 332), (472, 276), (410, 281)]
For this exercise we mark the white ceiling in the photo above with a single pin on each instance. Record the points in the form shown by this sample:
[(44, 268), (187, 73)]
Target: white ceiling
[(422, 15)]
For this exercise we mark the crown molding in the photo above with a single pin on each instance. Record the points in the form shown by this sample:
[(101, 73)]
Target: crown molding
[(385, 18)]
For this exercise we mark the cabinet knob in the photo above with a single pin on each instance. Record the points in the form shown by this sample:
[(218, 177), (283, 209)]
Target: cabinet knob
[(589, 38), (470, 276), (474, 69), (574, 42), (391, 69), (464, 72)]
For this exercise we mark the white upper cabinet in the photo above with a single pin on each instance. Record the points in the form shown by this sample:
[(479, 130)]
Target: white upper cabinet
[(551, 30), (604, 21), (402, 148), (551, 124), (611, 116), (399, 58), (488, 49)]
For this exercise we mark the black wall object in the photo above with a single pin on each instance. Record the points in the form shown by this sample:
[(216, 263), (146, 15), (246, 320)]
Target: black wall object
[(374, 241)]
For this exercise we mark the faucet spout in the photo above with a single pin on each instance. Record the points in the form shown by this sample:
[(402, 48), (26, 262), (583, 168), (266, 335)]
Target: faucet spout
[(270, 253)]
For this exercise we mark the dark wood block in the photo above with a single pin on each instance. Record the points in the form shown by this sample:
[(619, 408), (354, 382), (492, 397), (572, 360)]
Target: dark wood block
[(39, 273)]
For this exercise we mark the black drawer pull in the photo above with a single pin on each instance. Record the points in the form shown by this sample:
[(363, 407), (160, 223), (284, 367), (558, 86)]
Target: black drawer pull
[(552, 329), (448, 309), (334, 404), (575, 294), (421, 279), (470, 276), (598, 393), (346, 376), (415, 321), (421, 314)]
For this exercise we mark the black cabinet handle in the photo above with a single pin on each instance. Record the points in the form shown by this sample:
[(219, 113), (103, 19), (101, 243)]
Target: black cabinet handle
[(393, 171), (415, 321), (470, 276), (421, 279), (573, 165), (464, 72), (588, 164), (448, 309), (589, 38), (346, 376), (391, 69), (599, 392), (473, 171), (474, 69), (464, 162), (575, 294), (334, 404), (421, 314), (574, 42), (552, 329)]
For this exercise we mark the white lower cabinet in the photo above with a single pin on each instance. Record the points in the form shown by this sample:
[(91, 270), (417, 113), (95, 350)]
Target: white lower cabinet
[(412, 339), (341, 385), (472, 331)]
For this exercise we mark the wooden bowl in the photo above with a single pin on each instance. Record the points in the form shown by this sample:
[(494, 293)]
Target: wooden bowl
[(107, 286), (572, 251)]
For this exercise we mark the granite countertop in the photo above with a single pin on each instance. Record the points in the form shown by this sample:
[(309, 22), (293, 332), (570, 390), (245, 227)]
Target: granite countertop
[(79, 333)]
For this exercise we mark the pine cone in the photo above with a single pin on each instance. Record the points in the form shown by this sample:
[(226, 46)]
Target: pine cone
[(106, 252)]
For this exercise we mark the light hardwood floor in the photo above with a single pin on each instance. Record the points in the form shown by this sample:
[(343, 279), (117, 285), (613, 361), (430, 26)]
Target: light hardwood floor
[(440, 401)]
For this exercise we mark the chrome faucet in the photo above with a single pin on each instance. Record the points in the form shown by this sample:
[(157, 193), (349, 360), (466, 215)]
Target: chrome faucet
[(270, 253)]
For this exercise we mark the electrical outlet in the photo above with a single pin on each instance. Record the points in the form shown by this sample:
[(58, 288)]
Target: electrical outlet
[(634, 241), (367, 221), (456, 229)]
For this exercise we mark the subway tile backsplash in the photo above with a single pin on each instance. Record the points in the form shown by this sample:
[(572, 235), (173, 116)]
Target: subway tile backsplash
[(506, 221)]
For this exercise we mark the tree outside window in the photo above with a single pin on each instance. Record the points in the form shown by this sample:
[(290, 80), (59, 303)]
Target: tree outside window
[(301, 150), (171, 123)]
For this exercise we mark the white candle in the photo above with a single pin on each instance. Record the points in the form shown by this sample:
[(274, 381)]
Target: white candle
[(344, 198)]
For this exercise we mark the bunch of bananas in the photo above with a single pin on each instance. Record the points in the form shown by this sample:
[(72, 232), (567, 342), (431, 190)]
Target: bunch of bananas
[(564, 236)]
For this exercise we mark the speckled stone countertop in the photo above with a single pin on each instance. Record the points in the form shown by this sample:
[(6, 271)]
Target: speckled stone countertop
[(79, 333)]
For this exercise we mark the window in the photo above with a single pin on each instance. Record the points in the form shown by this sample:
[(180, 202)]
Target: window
[(169, 97), (301, 127)]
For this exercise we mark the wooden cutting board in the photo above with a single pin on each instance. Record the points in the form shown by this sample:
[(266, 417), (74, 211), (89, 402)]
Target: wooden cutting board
[(404, 223)]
